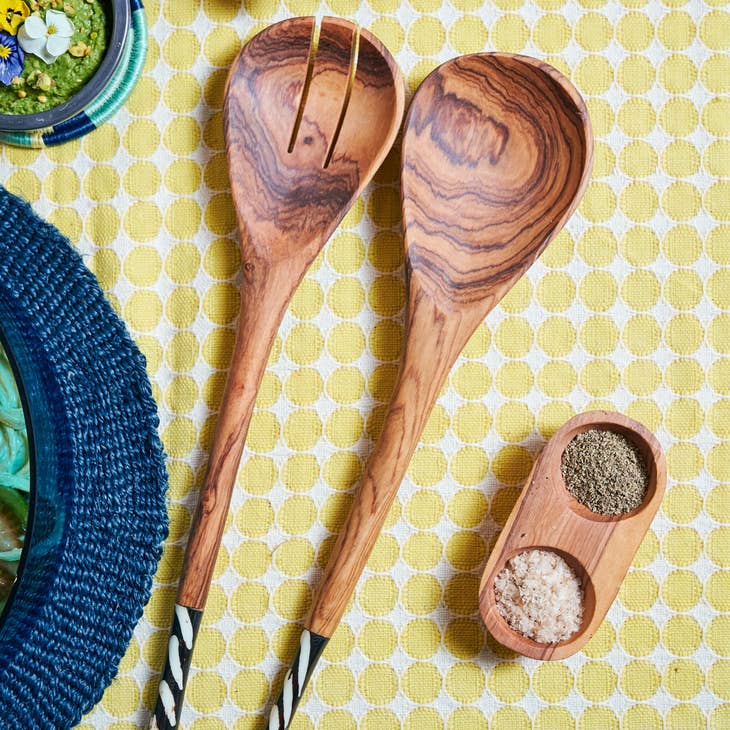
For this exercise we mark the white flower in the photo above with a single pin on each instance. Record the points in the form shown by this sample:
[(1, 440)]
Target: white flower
[(47, 40)]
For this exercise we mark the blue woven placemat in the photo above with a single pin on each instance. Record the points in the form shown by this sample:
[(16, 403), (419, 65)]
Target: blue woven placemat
[(98, 473)]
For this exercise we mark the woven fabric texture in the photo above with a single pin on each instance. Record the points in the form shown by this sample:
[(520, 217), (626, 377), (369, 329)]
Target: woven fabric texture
[(628, 309), (60, 647)]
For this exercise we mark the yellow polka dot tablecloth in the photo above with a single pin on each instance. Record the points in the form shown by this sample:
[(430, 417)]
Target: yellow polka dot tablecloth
[(628, 309)]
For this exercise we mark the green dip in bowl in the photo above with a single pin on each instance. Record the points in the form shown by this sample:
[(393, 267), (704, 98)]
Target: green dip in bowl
[(58, 61), (41, 86)]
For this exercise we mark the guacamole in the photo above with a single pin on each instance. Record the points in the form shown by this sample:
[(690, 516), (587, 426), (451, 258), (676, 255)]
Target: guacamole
[(40, 85)]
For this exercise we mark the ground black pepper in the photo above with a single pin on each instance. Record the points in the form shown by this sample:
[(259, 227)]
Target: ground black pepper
[(605, 472)]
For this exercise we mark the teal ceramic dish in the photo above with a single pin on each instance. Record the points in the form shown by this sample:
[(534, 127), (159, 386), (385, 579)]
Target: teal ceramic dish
[(41, 472), (14, 478)]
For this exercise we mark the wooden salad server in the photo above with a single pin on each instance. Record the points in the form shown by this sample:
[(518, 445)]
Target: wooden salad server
[(310, 114), (497, 152)]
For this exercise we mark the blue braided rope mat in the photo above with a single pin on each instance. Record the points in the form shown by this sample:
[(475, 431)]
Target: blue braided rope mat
[(108, 103), (98, 481)]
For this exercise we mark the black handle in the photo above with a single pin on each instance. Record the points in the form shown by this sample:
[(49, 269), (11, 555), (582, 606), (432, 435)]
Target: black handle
[(311, 646), (175, 675)]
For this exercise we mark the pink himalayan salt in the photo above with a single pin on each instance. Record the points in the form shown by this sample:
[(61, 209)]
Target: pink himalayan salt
[(539, 596)]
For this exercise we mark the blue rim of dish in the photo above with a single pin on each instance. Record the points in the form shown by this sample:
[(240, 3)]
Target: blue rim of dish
[(106, 103), (50, 117), (98, 479)]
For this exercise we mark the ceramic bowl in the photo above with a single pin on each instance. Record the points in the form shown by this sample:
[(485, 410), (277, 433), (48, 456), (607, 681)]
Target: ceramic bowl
[(119, 28), (45, 499)]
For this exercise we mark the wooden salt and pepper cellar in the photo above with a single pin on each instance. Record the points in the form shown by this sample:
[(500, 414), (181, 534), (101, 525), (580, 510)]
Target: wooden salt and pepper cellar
[(599, 548)]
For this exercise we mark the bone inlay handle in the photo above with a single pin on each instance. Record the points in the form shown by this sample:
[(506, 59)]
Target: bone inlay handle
[(310, 649), (433, 342), (257, 330), (177, 665)]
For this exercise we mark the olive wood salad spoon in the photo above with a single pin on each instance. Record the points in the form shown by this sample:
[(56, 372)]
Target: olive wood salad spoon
[(497, 152), (310, 113)]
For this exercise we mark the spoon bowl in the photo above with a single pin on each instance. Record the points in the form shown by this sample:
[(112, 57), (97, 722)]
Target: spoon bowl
[(310, 114), (496, 151)]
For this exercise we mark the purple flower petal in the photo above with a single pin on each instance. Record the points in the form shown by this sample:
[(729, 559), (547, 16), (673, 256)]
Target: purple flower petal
[(12, 64)]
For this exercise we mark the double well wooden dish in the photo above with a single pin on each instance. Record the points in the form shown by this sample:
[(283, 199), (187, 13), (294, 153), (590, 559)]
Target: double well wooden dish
[(599, 548)]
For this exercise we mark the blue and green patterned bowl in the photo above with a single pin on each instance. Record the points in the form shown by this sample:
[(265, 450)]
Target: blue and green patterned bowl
[(100, 98)]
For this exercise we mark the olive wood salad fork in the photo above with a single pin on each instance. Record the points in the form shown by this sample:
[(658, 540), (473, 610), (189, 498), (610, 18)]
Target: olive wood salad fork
[(310, 113), (497, 152)]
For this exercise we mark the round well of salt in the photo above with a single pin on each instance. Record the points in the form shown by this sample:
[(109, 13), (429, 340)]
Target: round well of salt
[(540, 596)]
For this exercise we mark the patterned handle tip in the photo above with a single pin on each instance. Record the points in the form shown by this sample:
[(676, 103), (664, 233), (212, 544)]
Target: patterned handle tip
[(311, 646), (175, 676)]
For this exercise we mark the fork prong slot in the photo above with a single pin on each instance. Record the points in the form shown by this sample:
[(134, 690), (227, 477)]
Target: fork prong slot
[(313, 43), (376, 90), (265, 87), (327, 92), (346, 102)]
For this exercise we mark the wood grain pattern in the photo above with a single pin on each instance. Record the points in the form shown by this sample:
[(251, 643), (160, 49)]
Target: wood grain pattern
[(307, 124), (288, 204), (503, 140), (497, 151), (598, 548)]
